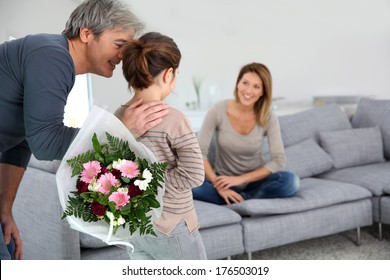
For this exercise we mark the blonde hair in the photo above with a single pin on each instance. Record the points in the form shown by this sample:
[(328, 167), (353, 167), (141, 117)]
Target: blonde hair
[(263, 105)]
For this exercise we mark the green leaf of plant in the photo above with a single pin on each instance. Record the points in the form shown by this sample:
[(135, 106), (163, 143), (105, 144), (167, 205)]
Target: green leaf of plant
[(126, 180), (152, 202), (103, 200), (112, 206), (140, 213), (96, 145), (126, 208), (86, 195)]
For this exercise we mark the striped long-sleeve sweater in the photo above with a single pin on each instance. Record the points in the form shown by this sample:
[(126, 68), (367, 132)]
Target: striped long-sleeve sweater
[(174, 141)]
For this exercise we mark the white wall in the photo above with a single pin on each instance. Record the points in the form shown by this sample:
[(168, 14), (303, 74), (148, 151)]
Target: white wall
[(21, 17), (313, 47)]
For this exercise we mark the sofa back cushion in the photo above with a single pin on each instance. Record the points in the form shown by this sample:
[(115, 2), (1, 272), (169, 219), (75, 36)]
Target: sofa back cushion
[(307, 159), (370, 112), (303, 125), (353, 147)]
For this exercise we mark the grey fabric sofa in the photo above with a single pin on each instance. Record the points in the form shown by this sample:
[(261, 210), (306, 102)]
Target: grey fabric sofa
[(374, 176), (344, 171), (344, 168)]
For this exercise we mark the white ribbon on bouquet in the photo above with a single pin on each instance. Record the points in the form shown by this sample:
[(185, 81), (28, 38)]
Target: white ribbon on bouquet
[(100, 121)]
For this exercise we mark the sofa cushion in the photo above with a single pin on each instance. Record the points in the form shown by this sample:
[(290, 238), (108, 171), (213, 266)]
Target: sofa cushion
[(106, 253), (386, 189), (266, 232), (303, 125), (370, 112), (212, 215), (307, 159), (373, 177), (313, 193), (45, 165), (353, 147), (88, 241)]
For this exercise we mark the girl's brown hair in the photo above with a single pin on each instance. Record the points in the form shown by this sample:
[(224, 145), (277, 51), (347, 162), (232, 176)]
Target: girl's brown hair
[(263, 105), (146, 57)]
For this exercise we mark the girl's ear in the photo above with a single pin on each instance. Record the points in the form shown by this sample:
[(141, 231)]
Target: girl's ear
[(168, 75)]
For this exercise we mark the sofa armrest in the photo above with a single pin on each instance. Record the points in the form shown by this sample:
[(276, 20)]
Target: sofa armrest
[(37, 212)]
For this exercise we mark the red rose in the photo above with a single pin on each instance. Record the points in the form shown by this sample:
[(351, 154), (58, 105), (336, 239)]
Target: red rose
[(134, 190), (117, 173), (82, 186), (98, 209)]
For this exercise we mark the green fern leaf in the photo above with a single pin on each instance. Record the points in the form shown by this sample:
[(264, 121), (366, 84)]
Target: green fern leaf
[(120, 146), (78, 208), (77, 162)]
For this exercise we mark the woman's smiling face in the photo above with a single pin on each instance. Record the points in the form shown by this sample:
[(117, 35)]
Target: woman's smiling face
[(249, 89)]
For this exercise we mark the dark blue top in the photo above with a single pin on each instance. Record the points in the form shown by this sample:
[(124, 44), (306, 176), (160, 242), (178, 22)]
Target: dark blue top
[(36, 76)]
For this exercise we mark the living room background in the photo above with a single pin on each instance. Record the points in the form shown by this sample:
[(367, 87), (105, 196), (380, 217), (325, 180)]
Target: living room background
[(313, 48)]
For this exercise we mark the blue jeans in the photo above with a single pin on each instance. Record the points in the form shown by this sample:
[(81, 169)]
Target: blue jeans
[(277, 185), (6, 251)]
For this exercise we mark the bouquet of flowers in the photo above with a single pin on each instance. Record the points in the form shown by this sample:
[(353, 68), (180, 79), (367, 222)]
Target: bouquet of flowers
[(114, 185), (110, 187)]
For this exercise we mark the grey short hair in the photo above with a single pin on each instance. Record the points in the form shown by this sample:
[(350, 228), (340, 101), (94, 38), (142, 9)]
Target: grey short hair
[(99, 16)]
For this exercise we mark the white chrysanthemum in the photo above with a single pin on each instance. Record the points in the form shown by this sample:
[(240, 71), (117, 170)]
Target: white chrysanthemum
[(121, 221), (123, 190), (147, 176), (117, 164), (93, 186), (142, 184)]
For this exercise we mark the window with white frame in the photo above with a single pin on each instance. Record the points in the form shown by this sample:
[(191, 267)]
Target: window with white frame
[(79, 102)]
